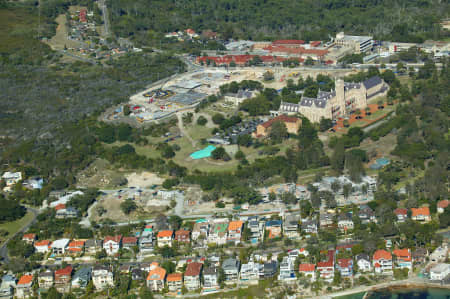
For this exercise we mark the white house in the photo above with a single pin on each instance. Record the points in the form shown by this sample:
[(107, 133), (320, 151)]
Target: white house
[(59, 246), (11, 178), (308, 270), (111, 244), (439, 272), (382, 262), (250, 272), (102, 277), (210, 278), (42, 246), (363, 262), (287, 269)]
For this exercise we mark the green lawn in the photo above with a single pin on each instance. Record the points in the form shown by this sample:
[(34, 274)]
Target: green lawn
[(14, 226)]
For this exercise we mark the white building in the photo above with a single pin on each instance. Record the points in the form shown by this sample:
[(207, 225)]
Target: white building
[(358, 44), (102, 277), (111, 244), (363, 262), (250, 272), (439, 272), (59, 246), (287, 269), (11, 178)]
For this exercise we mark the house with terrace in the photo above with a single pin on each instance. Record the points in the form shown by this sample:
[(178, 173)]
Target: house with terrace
[(403, 258), (218, 233), (382, 262)]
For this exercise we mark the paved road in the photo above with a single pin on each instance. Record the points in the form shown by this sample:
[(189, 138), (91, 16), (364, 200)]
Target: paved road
[(84, 59), (4, 248)]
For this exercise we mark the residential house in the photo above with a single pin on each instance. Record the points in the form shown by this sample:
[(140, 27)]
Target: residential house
[(326, 220), (129, 242), (112, 244), (200, 231), (420, 255), (34, 183), (292, 125), (382, 262), (440, 272), (164, 238), (69, 212), (62, 278), (210, 278), (366, 215), (236, 99), (420, 214), (290, 226), (59, 246), (183, 236), (442, 205), (156, 279), (231, 269), (24, 288), (308, 270), (7, 287), (82, 277), (124, 269), (363, 262), (235, 231), (270, 269), (218, 233), (146, 244), (92, 246), (401, 213), (175, 282), (345, 267), (309, 226), (192, 276), (274, 228), (102, 277), (75, 247), (439, 254), (250, 272), (136, 274), (403, 258), (46, 279), (326, 268), (42, 246), (11, 178), (29, 238), (287, 269), (256, 228), (345, 222)]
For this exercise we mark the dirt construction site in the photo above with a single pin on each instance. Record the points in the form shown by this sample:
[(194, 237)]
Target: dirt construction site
[(187, 90)]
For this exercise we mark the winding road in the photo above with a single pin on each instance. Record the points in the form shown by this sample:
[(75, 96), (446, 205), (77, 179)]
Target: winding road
[(4, 248)]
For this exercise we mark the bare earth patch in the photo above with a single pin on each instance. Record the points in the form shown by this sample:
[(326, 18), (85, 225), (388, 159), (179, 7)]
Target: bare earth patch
[(144, 179)]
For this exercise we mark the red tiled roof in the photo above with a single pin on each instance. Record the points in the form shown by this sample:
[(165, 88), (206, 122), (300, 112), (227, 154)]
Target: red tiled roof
[(165, 233), (42, 243), (29, 237), (403, 253), (157, 274), (76, 244), (424, 211), (25, 279), (129, 240), (401, 211), (64, 271), (288, 42), (306, 267), (315, 43), (382, 254), (193, 269), (299, 51), (174, 277), (344, 263), (235, 225), (282, 118), (116, 239), (443, 203), (60, 206), (182, 232), (326, 264), (75, 249)]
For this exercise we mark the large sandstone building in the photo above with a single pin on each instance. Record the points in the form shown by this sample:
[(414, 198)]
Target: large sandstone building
[(345, 98), (292, 125)]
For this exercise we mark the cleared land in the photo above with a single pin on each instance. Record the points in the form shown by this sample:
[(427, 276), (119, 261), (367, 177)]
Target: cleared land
[(60, 40), (14, 226)]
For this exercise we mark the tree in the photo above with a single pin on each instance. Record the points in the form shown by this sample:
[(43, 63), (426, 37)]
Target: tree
[(187, 118), (218, 118), (218, 153), (239, 155), (128, 206), (358, 113), (245, 140), (335, 186), (53, 294), (268, 76), (201, 120), (145, 293), (126, 110), (309, 61), (325, 124), (367, 110), (338, 158), (175, 222), (346, 123), (168, 266), (347, 188), (278, 132)]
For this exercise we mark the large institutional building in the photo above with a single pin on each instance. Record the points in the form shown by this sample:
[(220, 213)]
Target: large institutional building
[(345, 98)]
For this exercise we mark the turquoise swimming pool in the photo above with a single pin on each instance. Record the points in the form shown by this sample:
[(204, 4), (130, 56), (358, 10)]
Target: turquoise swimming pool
[(203, 153)]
